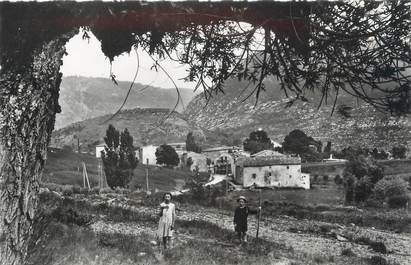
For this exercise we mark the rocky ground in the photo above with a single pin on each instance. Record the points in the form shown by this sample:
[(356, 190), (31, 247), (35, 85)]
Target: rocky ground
[(304, 237)]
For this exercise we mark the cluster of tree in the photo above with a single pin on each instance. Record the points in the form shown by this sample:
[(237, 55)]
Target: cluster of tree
[(119, 159), (397, 152), (364, 181), (257, 141), (296, 142), (310, 150), (191, 145), (166, 155)]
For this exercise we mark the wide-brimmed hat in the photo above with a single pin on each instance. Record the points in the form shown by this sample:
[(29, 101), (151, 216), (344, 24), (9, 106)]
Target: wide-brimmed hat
[(242, 198)]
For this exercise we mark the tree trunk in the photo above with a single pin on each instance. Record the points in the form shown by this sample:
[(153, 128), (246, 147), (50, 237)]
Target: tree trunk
[(29, 102)]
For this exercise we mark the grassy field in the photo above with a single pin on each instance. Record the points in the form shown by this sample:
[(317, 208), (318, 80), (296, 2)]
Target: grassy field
[(65, 168), (68, 239), (396, 167), (318, 195)]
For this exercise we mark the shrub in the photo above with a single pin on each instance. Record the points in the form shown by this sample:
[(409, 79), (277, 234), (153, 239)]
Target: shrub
[(95, 190), (67, 190), (349, 186), (76, 189), (68, 215), (390, 187), (203, 195), (373, 202), (363, 189), (378, 260), (378, 247), (360, 176), (338, 180), (398, 201), (84, 191), (106, 190), (53, 187), (347, 252), (399, 152)]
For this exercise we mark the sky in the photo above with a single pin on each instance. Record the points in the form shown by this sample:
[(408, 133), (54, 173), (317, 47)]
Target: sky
[(85, 58)]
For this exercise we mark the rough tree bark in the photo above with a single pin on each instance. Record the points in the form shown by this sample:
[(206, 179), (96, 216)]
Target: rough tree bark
[(29, 102)]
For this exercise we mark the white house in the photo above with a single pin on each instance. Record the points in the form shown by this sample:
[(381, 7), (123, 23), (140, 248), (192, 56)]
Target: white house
[(331, 159), (276, 144), (147, 154), (99, 149)]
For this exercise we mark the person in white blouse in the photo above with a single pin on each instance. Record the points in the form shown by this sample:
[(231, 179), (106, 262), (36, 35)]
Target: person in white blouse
[(167, 219)]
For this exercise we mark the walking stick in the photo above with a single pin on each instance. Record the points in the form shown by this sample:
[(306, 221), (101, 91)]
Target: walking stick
[(259, 214)]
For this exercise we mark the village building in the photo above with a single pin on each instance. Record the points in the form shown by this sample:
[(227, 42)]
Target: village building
[(332, 159), (99, 149), (215, 152), (267, 153), (277, 170), (147, 154), (179, 147), (199, 161), (276, 144)]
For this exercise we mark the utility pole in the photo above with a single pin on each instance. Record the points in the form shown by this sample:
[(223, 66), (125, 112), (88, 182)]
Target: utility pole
[(147, 176), (85, 177), (226, 172), (259, 213)]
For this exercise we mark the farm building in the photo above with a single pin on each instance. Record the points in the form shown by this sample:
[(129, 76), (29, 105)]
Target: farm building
[(147, 154), (263, 171), (179, 147), (215, 152), (267, 153), (99, 149)]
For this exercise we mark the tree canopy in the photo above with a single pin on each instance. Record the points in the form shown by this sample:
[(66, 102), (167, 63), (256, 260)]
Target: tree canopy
[(167, 155), (357, 47), (191, 144), (297, 142), (118, 158), (257, 141)]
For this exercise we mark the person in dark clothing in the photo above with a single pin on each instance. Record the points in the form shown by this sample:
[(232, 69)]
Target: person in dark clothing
[(240, 218)]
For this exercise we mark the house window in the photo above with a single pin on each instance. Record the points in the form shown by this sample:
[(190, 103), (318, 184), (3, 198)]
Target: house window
[(269, 174), (254, 176), (288, 167), (290, 176)]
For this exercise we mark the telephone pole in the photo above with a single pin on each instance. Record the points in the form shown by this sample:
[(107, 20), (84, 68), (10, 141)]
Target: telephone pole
[(147, 176)]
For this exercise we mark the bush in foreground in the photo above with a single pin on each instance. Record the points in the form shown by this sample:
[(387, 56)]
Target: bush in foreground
[(392, 190)]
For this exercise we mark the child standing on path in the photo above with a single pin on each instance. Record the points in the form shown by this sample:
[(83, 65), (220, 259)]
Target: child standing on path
[(167, 219), (240, 218)]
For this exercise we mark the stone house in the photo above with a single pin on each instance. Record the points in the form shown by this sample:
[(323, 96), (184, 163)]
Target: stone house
[(263, 171), (215, 152)]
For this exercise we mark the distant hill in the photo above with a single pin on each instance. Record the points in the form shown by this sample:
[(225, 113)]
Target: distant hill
[(83, 98), (229, 114), (145, 125)]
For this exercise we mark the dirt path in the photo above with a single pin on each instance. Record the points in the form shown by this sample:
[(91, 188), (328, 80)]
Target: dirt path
[(278, 230)]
